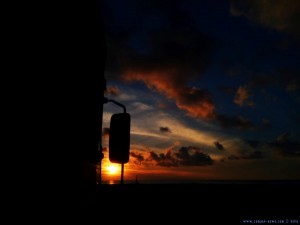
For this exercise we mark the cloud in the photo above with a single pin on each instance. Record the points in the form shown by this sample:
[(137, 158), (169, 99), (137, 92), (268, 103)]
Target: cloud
[(280, 15), (242, 96), (113, 90), (196, 102), (197, 158), (167, 58), (285, 146), (184, 156), (165, 130), (161, 159), (138, 157), (139, 107), (218, 145), (145, 130), (177, 52)]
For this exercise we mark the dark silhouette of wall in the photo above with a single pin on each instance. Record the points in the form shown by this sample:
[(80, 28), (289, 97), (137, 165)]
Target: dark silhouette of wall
[(56, 54), (60, 58), (85, 56)]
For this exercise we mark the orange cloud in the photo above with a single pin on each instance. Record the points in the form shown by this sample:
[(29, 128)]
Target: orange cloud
[(196, 102), (113, 90)]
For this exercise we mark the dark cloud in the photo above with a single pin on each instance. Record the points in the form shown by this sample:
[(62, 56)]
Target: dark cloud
[(171, 81), (138, 158), (197, 158), (285, 146), (165, 129), (173, 55), (185, 156), (161, 159), (280, 15), (219, 146), (167, 54)]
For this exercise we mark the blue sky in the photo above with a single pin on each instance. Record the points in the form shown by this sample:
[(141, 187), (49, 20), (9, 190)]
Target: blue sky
[(212, 87)]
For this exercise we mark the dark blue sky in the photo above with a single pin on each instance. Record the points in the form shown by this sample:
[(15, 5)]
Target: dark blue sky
[(212, 86)]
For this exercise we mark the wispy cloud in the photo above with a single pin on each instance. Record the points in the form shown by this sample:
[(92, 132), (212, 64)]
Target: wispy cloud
[(150, 121)]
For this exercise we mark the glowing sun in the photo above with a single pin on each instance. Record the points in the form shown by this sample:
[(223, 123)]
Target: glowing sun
[(112, 169)]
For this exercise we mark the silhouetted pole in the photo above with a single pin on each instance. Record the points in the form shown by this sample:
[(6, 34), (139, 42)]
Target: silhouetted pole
[(117, 103), (105, 100)]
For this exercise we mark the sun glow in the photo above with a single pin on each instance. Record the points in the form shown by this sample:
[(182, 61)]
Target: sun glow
[(112, 169)]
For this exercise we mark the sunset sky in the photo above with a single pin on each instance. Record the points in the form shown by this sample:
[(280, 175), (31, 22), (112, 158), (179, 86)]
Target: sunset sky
[(212, 87)]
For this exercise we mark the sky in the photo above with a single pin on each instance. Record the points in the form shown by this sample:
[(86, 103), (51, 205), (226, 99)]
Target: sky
[(212, 88)]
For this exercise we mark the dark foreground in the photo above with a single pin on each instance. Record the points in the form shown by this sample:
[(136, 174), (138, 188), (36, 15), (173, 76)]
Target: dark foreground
[(207, 203)]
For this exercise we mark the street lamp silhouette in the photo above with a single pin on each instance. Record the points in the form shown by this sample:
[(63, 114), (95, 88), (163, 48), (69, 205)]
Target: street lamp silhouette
[(119, 137)]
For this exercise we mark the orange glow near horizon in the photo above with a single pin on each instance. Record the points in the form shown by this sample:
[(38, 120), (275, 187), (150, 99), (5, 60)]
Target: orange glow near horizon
[(111, 172)]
